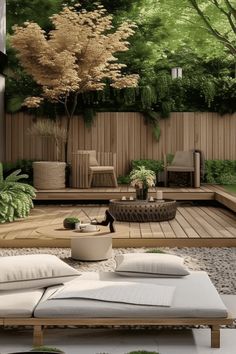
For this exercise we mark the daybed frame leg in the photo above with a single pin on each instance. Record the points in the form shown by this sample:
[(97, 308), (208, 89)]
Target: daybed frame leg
[(215, 336), (38, 336)]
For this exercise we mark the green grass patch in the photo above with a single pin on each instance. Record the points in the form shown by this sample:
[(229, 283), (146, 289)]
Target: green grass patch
[(154, 250), (230, 188)]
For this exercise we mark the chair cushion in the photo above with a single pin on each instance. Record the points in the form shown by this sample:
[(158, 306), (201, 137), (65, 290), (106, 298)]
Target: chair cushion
[(101, 168), (33, 271), (183, 158), (92, 156)]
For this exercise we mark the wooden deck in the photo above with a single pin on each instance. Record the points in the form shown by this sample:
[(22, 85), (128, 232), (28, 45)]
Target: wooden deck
[(204, 193), (195, 225)]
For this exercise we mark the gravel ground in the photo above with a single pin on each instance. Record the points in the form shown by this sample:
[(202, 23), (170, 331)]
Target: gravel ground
[(219, 263)]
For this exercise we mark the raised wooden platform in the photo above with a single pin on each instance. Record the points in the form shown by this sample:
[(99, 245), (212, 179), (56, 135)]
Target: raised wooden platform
[(203, 193), (195, 225)]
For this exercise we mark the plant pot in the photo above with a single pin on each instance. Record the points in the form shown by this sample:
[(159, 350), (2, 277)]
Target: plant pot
[(69, 225), (49, 174), (142, 193)]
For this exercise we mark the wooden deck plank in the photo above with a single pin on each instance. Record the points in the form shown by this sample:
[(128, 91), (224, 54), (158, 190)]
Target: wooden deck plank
[(199, 230), (214, 228), (226, 215), (221, 220), (167, 229), (135, 231), (203, 224), (212, 221), (156, 230), (177, 229)]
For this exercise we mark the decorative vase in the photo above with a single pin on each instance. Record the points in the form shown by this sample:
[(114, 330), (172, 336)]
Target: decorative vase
[(142, 193)]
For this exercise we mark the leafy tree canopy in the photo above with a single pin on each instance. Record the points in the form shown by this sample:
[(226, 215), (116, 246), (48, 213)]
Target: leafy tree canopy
[(19, 11)]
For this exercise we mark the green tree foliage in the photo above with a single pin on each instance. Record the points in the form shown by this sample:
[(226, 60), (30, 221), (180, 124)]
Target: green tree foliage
[(169, 33), (224, 29), (19, 84), (15, 197), (19, 11)]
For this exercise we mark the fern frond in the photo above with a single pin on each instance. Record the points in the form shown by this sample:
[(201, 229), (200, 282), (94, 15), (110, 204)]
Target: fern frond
[(14, 177), (15, 197)]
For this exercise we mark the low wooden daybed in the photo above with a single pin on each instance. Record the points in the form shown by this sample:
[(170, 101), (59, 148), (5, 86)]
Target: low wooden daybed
[(39, 323), (190, 293)]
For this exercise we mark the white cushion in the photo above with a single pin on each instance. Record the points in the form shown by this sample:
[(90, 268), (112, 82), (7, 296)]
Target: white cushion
[(33, 271), (150, 264), (92, 156), (19, 303)]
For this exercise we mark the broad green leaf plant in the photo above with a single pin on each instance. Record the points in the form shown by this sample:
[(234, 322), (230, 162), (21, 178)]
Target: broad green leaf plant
[(15, 197)]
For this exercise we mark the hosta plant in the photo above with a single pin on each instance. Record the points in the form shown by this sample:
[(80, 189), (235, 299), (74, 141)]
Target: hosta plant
[(15, 197)]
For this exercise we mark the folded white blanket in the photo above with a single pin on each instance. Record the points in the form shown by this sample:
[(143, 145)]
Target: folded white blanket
[(125, 292)]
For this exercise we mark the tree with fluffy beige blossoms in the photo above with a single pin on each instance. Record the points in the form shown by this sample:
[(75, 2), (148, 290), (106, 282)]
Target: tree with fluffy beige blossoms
[(77, 56)]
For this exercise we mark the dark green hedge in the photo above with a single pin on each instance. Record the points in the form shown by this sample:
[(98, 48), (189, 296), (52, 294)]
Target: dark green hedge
[(216, 171), (220, 171)]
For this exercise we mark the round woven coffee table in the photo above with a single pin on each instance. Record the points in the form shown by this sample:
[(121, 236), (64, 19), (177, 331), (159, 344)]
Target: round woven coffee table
[(142, 211)]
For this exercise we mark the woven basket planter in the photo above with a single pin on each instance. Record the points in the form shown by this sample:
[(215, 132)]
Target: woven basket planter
[(49, 174)]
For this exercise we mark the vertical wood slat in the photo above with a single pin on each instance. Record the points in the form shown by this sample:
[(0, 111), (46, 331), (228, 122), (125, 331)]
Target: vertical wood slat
[(79, 169), (126, 134)]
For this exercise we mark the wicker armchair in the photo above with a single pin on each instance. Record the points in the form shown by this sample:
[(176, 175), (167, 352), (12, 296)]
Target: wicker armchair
[(90, 168), (184, 161)]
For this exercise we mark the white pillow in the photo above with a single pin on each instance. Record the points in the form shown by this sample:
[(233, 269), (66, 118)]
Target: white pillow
[(150, 265), (34, 271)]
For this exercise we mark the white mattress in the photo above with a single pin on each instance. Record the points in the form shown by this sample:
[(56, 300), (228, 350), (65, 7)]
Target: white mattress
[(195, 296), (19, 303)]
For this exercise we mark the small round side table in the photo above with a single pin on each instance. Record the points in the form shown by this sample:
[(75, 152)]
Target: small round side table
[(91, 247)]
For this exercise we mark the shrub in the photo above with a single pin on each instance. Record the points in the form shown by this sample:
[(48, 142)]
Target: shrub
[(154, 165), (15, 197), (123, 179), (220, 171)]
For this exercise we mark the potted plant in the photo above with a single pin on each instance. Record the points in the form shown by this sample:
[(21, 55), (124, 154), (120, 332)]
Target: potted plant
[(50, 174), (69, 223), (142, 179)]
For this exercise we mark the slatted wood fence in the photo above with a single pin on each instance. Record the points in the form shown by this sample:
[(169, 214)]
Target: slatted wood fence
[(126, 134)]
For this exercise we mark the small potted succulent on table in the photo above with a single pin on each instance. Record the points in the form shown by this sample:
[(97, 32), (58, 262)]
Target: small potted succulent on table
[(142, 179), (70, 223)]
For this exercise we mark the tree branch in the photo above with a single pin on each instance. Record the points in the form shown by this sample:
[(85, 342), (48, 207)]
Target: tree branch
[(231, 8), (215, 3), (222, 38)]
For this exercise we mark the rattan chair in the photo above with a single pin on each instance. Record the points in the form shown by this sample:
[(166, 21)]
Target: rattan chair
[(91, 168), (184, 161)]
